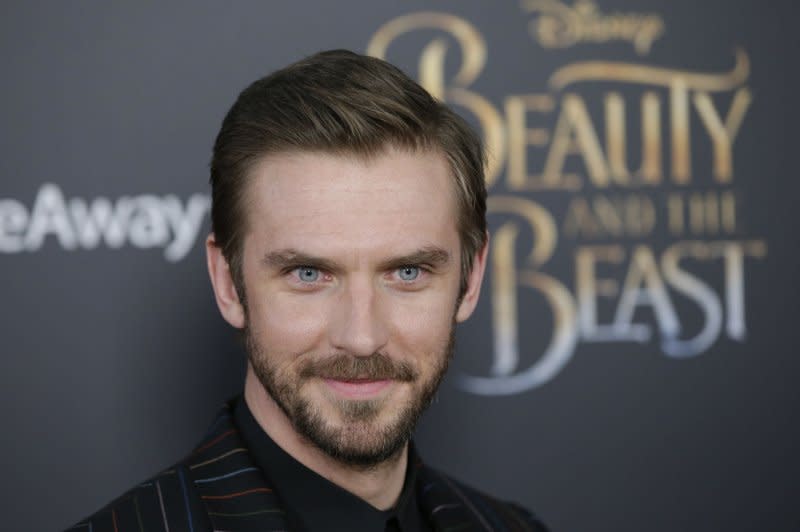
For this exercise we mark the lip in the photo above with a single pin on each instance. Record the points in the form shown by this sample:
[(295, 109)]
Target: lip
[(358, 389)]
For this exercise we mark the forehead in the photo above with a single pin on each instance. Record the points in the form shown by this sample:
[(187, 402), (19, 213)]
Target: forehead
[(330, 203)]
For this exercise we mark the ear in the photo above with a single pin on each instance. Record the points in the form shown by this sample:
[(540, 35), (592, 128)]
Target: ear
[(474, 280), (222, 282)]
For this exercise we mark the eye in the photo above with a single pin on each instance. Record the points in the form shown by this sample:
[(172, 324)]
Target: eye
[(408, 273), (307, 274)]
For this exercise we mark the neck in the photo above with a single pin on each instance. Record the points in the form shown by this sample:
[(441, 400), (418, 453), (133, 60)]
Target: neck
[(380, 486)]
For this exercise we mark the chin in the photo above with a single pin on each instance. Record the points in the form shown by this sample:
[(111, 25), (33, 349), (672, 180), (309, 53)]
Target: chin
[(357, 433)]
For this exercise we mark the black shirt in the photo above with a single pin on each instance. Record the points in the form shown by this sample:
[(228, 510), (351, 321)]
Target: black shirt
[(312, 502)]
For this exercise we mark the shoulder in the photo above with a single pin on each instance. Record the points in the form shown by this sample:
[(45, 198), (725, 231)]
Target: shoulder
[(165, 502), (512, 514), (169, 500), (491, 512)]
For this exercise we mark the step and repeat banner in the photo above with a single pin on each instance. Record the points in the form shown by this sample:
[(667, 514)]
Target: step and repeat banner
[(631, 365)]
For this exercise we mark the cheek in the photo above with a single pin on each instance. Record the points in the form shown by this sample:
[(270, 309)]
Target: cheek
[(285, 327), (423, 329)]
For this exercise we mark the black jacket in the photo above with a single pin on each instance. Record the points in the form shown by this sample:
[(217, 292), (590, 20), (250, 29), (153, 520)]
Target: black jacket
[(218, 487)]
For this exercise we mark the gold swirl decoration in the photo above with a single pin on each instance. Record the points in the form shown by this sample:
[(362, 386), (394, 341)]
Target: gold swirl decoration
[(648, 75)]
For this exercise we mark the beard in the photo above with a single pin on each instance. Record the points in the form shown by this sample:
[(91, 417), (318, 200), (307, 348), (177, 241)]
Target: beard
[(361, 441)]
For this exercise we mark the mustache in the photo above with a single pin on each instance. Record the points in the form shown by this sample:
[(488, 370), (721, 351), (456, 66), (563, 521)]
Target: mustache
[(350, 367)]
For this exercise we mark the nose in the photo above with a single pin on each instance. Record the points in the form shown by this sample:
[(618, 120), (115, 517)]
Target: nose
[(358, 327)]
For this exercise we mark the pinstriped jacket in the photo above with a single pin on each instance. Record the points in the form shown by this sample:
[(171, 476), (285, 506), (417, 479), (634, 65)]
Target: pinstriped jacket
[(218, 488)]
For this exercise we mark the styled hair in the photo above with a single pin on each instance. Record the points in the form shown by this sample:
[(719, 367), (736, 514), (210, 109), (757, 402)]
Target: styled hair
[(340, 102)]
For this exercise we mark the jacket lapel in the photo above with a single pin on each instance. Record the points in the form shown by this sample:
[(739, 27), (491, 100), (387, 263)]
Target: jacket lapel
[(237, 496), (233, 489), (446, 504)]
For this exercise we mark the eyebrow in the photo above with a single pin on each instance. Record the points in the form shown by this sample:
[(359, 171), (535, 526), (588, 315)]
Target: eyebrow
[(432, 256), (290, 258)]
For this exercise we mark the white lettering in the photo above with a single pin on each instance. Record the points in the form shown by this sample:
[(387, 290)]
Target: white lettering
[(148, 228), (50, 216), (13, 220), (145, 221), (185, 225), (98, 219), (696, 290), (644, 286)]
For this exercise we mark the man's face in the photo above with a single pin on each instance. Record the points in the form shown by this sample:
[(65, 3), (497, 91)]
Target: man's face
[(351, 271)]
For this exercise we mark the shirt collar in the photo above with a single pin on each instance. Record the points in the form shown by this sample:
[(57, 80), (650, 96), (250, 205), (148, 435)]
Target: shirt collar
[(314, 503)]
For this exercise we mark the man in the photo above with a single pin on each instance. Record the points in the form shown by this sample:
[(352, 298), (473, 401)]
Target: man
[(349, 237)]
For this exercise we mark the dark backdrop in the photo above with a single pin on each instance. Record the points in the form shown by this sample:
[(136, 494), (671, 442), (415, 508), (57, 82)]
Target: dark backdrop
[(632, 363)]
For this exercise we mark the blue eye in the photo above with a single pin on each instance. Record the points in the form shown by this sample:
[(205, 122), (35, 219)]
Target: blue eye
[(408, 273), (307, 274)]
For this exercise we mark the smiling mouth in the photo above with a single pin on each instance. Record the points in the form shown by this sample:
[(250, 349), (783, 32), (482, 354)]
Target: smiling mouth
[(358, 388)]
